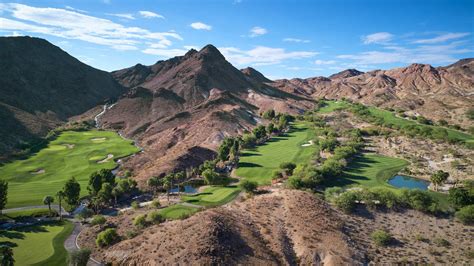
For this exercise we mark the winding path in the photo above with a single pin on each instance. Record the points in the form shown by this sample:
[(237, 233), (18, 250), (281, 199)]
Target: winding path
[(71, 243)]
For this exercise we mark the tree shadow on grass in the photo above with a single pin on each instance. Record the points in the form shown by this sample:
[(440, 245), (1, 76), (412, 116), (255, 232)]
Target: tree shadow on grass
[(8, 244), (32, 229), (12, 234), (246, 164), (249, 154)]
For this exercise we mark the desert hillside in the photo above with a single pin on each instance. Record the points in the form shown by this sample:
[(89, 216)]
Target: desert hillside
[(437, 93), (41, 86)]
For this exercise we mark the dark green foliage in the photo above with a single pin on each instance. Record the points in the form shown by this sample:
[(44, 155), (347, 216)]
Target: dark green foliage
[(270, 114), (288, 167), (107, 237), (98, 178), (3, 194), (211, 177), (470, 113), (439, 177), (271, 128), (72, 191), (381, 237), (466, 214), (79, 257), (249, 140), (417, 199), (260, 132), (230, 146), (211, 165), (98, 220), (7, 256), (248, 186), (155, 217), (460, 197), (140, 221), (328, 144)]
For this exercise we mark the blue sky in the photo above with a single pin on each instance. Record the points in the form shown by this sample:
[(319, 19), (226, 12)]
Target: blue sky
[(282, 39)]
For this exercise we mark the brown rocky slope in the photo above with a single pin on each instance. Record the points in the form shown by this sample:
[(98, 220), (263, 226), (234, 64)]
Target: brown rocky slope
[(282, 227)]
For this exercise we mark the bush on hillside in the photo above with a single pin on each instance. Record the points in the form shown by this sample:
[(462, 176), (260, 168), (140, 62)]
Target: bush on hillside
[(107, 237), (140, 221), (381, 237), (466, 214), (248, 186)]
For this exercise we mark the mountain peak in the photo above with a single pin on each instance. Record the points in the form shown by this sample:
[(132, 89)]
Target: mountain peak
[(253, 74), (351, 72), (211, 51)]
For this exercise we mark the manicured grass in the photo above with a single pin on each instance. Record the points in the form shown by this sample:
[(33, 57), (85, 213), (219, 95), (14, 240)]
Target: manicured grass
[(39, 244), (259, 164), (213, 196), (331, 106), (60, 162), (177, 211), (369, 170)]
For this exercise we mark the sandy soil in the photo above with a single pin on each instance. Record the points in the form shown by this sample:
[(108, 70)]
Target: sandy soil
[(107, 159), (38, 172)]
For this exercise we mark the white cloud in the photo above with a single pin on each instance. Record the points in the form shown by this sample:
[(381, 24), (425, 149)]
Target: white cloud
[(296, 40), (166, 53), (149, 14), (122, 15), (200, 26), (443, 38), (323, 62), (430, 54), (73, 25), (189, 47), (379, 38), (257, 31), (75, 9), (262, 55)]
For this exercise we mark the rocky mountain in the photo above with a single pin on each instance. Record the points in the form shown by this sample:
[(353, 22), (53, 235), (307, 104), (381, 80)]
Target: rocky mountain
[(41, 86), (436, 93), (180, 109)]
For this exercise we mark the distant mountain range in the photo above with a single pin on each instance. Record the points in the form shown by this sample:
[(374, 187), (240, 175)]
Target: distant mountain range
[(180, 109)]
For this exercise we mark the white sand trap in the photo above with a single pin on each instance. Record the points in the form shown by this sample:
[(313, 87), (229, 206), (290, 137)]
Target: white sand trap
[(98, 139), (311, 142), (109, 156), (69, 146), (38, 172)]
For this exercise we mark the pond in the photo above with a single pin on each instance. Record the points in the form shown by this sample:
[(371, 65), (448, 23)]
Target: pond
[(188, 189), (401, 181)]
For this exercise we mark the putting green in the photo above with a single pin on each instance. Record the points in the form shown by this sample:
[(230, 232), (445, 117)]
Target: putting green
[(259, 164), (213, 196), (39, 245), (45, 172), (177, 211)]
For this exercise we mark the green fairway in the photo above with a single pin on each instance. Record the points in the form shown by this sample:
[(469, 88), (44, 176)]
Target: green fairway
[(213, 196), (38, 245), (72, 154), (177, 211), (370, 170), (258, 164), (331, 106)]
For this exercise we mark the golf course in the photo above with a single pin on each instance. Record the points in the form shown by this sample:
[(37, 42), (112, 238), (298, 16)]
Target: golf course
[(258, 164), (177, 211), (213, 196), (39, 244), (72, 154)]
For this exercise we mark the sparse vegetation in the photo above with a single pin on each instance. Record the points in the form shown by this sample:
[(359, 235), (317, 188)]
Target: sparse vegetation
[(107, 237), (381, 237)]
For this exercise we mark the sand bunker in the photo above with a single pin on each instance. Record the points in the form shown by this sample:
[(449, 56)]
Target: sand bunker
[(311, 142), (69, 146), (109, 156), (98, 139), (38, 172)]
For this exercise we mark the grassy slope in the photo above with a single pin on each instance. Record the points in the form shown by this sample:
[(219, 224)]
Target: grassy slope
[(258, 164), (61, 163), (213, 196), (40, 244), (176, 211)]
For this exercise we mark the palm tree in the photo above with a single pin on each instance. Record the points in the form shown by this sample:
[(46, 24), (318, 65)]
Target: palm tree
[(167, 184), (7, 256), (116, 191), (60, 196), (47, 200)]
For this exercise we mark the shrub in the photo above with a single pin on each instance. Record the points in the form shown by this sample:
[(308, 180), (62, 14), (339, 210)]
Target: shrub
[(248, 186), (98, 220), (460, 197), (346, 201), (442, 242), (135, 205), (155, 217), (466, 214), (155, 203), (332, 192), (295, 182), (288, 167), (417, 199), (140, 221), (107, 237), (79, 257), (131, 234), (381, 237)]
